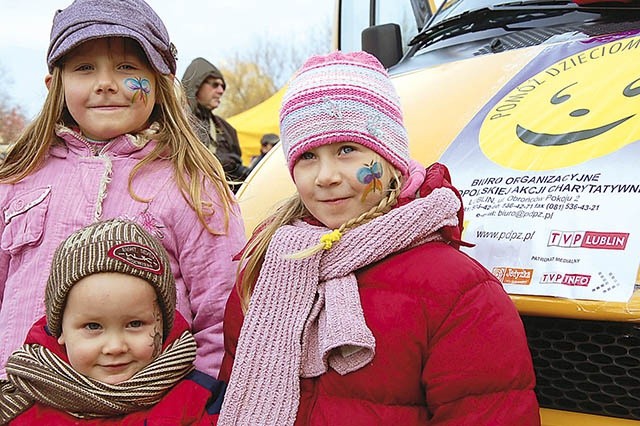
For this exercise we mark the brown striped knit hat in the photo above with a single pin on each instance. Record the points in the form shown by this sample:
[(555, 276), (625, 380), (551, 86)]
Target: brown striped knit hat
[(109, 246)]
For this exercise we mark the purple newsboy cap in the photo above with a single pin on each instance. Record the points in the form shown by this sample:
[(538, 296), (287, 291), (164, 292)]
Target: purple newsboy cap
[(86, 20)]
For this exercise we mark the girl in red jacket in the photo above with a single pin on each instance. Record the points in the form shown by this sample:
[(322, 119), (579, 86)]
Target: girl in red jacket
[(355, 306), (112, 349)]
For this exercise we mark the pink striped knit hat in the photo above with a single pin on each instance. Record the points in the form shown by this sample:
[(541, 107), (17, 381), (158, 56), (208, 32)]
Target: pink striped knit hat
[(343, 97)]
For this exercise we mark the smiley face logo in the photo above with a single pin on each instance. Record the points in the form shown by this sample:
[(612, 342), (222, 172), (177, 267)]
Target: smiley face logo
[(582, 107)]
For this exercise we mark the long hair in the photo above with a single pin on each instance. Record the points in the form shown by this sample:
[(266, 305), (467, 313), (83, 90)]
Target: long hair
[(287, 212), (195, 168), (30, 148)]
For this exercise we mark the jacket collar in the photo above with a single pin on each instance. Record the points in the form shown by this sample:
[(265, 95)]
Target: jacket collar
[(127, 145)]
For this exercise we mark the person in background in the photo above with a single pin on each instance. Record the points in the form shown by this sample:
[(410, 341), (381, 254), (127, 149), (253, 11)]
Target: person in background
[(267, 141), (111, 349), (355, 305), (113, 140), (204, 86)]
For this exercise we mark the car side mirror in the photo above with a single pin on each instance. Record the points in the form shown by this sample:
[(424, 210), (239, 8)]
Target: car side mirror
[(384, 42)]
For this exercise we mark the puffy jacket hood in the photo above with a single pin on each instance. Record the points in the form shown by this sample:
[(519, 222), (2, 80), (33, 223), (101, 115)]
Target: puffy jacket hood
[(196, 73)]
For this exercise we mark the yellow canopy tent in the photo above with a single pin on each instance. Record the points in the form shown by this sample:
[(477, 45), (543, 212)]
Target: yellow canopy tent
[(255, 122)]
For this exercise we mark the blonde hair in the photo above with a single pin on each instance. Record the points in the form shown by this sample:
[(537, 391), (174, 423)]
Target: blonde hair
[(287, 212), (194, 165)]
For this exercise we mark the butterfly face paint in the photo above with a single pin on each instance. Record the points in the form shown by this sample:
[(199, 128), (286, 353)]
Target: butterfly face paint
[(141, 88), (370, 175)]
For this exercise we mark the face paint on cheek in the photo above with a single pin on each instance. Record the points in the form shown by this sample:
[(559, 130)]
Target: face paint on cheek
[(141, 87), (157, 331), (370, 175)]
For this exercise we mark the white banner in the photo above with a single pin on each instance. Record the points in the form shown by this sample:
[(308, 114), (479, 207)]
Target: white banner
[(549, 171)]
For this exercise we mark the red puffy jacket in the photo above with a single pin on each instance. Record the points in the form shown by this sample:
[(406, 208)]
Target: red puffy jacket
[(450, 349), (450, 345)]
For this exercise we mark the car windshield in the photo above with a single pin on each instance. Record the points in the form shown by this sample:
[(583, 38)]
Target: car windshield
[(454, 8), (457, 17)]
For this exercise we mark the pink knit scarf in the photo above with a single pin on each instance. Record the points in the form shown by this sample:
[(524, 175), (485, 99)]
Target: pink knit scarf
[(305, 315)]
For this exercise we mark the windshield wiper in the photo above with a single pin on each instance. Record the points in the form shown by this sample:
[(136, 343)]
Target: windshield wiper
[(491, 17), (600, 5), (509, 13)]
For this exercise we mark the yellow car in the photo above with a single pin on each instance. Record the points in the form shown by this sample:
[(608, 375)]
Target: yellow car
[(535, 108)]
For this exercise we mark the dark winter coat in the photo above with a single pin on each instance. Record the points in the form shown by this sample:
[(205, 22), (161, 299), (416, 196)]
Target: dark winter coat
[(226, 146)]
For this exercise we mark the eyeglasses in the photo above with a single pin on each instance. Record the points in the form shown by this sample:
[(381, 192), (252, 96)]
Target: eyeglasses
[(215, 84)]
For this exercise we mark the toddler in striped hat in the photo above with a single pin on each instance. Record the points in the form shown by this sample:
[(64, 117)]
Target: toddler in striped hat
[(112, 345)]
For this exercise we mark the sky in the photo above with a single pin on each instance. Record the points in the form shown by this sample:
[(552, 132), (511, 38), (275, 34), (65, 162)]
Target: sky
[(213, 29)]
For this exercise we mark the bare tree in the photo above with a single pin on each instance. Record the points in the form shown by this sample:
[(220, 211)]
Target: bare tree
[(12, 118), (12, 122), (247, 86), (256, 73)]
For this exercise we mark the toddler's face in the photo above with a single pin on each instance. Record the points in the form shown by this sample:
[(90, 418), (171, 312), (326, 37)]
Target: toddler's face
[(340, 181), (111, 326), (109, 87)]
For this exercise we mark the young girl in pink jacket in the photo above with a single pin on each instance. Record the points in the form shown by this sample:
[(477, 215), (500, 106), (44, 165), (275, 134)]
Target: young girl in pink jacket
[(113, 141), (355, 306)]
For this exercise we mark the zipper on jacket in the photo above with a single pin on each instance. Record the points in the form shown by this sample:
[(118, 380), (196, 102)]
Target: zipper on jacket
[(91, 147)]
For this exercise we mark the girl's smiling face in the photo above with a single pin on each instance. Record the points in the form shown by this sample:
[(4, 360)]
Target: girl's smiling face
[(109, 87), (340, 181)]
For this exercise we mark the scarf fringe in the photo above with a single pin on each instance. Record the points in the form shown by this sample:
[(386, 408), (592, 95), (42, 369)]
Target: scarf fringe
[(291, 325)]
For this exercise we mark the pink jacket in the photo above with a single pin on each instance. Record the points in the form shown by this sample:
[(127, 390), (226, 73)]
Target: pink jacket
[(75, 188)]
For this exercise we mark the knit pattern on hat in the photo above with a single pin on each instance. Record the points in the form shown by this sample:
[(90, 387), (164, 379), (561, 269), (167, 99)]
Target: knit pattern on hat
[(343, 97), (85, 20), (305, 315), (109, 246)]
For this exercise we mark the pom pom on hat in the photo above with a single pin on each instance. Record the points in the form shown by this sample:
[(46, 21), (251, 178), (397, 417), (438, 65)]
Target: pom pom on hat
[(343, 97), (109, 246)]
